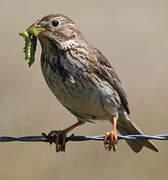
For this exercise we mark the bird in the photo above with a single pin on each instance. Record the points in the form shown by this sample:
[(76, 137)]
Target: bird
[(84, 82)]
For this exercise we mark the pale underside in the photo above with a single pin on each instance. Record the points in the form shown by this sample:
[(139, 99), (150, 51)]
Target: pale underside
[(85, 99)]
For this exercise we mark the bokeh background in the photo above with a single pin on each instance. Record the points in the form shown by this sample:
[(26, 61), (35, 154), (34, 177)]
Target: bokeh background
[(133, 35)]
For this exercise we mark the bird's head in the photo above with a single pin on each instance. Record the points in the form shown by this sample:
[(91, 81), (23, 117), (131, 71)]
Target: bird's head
[(59, 30)]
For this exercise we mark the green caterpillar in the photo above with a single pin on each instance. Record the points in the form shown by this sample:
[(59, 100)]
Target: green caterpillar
[(30, 37)]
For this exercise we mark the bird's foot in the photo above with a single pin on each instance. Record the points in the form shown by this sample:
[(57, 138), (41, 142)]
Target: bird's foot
[(58, 137), (110, 141)]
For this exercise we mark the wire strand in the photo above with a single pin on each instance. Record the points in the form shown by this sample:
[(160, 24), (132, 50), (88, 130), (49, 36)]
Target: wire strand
[(82, 138)]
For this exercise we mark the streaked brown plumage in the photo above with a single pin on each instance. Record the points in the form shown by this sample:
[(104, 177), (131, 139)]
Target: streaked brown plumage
[(84, 81)]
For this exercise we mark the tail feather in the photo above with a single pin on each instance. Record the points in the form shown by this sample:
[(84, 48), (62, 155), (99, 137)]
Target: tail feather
[(127, 127)]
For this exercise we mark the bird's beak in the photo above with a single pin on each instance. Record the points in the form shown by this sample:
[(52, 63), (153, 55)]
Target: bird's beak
[(36, 30), (40, 28)]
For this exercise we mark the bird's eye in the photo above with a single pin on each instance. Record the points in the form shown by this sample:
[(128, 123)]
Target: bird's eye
[(55, 23)]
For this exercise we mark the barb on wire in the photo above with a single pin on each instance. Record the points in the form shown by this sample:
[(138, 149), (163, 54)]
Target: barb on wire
[(81, 138)]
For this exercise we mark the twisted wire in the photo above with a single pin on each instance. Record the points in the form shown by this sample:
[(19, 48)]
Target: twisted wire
[(81, 138)]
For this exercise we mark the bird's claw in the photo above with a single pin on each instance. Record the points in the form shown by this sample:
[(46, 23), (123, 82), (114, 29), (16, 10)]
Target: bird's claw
[(110, 141)]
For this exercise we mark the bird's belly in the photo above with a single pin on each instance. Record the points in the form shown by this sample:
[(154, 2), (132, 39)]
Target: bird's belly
[(82, 99)]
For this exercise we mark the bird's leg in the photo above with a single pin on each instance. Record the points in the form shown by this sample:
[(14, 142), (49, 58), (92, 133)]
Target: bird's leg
[(110, 139), (60, 136)]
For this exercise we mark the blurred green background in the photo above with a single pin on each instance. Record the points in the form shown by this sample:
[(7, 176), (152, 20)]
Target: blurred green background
[(133, 35)]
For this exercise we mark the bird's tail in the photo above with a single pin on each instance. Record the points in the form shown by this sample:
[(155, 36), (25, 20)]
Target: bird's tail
[(127, 127)]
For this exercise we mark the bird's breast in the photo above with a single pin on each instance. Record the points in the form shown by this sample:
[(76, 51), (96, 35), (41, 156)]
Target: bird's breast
[(74, 90)]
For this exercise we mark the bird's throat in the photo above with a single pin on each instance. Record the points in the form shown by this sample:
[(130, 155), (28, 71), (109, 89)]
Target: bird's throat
[(68, 44)]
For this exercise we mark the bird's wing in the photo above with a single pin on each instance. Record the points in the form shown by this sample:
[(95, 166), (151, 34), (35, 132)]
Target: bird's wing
[(104, 68)]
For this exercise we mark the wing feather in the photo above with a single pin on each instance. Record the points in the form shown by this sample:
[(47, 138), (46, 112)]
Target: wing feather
[(107, 71)]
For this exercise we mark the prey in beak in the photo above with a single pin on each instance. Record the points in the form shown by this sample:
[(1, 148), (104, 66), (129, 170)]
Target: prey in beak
[(36, 30), (30, 35)]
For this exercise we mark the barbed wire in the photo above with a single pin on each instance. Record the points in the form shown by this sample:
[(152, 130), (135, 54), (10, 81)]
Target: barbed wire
[(81, 138)]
